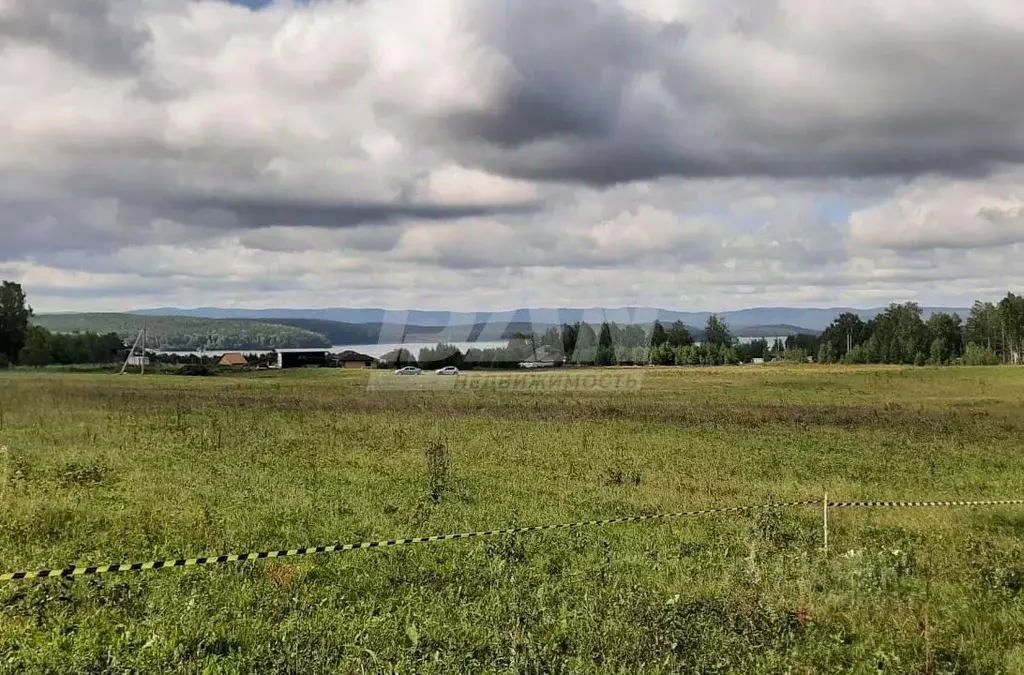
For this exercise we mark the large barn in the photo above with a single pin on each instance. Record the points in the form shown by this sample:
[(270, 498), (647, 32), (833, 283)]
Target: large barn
[(299, 358)]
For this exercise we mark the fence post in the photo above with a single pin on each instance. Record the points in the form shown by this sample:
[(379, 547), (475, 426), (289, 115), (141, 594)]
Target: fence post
[(824, 520)]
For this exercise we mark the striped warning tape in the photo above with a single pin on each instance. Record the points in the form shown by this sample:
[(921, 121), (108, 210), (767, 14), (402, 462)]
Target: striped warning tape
[(995, 502), (84, 570)]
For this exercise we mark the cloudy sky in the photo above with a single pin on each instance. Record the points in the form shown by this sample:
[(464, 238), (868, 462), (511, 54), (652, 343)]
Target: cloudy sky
[(488, 154)]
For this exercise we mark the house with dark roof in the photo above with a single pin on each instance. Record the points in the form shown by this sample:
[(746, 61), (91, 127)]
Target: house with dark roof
[(351, 359)]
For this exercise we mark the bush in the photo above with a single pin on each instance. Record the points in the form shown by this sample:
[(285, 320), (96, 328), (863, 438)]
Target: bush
[(687, 356), (605, 356), (856, 355), (662, 355), (795, 356), (196, 369), (980, 356), (5, 362)]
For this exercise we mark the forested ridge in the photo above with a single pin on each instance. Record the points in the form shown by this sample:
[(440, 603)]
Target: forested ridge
[(186, 333)]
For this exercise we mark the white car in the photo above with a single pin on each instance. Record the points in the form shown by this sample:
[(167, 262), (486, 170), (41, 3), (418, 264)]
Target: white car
[(447, 370), (408, 370)]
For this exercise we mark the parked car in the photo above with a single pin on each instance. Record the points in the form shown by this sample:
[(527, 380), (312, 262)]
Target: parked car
[(408, 370), (447, 370)]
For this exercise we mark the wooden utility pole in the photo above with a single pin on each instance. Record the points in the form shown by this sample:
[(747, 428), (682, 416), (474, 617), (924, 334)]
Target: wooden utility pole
[(131, 352), (141, 337)]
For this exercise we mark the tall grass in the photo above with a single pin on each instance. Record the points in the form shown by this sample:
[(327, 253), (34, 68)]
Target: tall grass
[(439, 469), (110, 469)]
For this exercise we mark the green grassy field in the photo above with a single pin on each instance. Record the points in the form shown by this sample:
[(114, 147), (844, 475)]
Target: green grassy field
[(101, 469)]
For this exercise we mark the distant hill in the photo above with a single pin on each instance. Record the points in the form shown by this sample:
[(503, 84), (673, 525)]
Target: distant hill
[(779, 330), (178, 333), (334, 332), (190, 333), (343, 333), (803, 319), (355, 334)]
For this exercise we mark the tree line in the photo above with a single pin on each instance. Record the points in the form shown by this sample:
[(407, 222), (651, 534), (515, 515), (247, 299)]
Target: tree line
[(992, 334), (25, 344), (606, 344)]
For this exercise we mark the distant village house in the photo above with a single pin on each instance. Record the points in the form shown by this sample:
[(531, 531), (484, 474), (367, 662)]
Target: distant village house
[(233, 359), (351, 359)]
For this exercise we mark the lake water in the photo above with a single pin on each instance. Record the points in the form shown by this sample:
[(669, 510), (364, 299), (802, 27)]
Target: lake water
[(374, 350)]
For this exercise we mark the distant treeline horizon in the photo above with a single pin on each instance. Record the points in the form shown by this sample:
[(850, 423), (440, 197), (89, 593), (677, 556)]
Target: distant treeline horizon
[(188, 334), (991, 333)]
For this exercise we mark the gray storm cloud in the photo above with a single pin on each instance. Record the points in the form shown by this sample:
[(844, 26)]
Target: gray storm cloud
[(413, 139), (593, 93), (87, 33)]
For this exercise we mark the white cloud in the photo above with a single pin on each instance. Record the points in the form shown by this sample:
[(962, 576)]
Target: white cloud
[(495, 154), (936, 214), (453, 184)]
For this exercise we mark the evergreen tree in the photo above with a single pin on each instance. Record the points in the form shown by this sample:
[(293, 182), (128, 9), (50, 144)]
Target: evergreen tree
[(717, 332), (14, 316), (679, 336), (658, 335), (605, 351)]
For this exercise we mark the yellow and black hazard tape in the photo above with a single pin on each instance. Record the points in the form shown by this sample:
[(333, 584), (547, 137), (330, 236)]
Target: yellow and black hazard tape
[(991, 502), (86, 570)]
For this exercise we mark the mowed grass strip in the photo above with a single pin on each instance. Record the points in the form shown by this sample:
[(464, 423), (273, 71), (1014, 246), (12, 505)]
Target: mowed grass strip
[(106, 469)]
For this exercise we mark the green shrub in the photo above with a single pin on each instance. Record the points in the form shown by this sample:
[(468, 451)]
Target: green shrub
[(980, 356), (196, 369)]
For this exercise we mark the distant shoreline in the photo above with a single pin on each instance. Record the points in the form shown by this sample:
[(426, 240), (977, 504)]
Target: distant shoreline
[(374, 350)]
